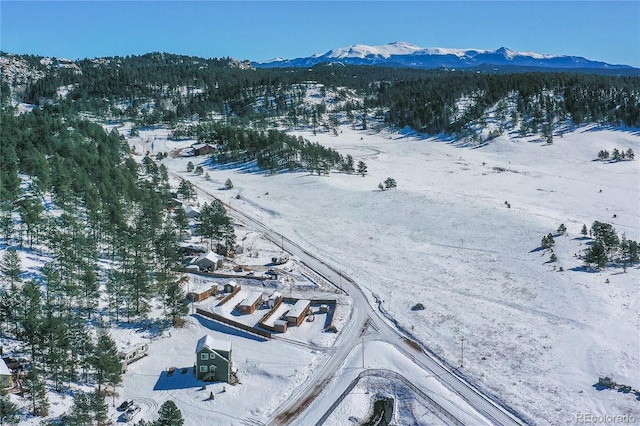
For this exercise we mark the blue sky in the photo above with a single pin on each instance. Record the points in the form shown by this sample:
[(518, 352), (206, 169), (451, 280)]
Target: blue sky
[(607, 31)]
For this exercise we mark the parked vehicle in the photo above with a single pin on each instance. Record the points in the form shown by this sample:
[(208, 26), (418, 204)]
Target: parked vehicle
[(131, 412), (125, 405)]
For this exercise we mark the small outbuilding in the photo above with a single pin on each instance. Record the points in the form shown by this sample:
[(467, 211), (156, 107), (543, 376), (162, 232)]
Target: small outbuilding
[(213, 359), (250, 303), (280, 326), (274, 299), (298, 312), (6, 381), (198, 295), (231, 286)]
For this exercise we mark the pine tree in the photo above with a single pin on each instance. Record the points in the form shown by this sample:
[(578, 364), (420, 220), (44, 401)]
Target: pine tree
[(214, 224), (8, 411), (606, 234), (31, 211), (34, 387), (30, 317), (99, 408), (6, 222), (105, 360), (170, 415), (186, 190), (547, 241), (80, 412), (562, 229), (584, 230), (390, 183), (629, 251), (596, 255), (174, 301), (615, 155), (348, 164), (11, 266), (228, 184), (181, 221), (190, 166), (362, 168)]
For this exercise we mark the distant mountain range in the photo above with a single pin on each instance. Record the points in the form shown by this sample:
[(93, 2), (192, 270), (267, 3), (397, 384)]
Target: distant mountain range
[(406, 55)]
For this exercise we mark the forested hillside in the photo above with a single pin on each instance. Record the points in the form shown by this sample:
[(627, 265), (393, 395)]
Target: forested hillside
[(164, 88)]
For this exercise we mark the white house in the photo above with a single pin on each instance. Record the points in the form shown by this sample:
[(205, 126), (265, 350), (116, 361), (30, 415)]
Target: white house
[(209, 260)]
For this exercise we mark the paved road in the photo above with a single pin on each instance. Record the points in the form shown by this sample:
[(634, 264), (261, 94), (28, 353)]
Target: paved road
[(366, 313)]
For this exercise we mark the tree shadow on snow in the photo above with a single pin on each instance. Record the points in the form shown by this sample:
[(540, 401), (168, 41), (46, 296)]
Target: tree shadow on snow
[(584, 269)]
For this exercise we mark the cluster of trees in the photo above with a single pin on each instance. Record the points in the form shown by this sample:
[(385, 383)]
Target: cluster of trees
[(70, 191), (389, 183), (214, 224), (272, 150), (616, 155), (607, 247), (547, 241)]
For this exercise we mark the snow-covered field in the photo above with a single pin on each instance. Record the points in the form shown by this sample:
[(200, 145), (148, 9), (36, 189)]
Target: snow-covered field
[(535, 337), (461, 235)]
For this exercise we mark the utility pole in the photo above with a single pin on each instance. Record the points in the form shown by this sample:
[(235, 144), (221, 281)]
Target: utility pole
[(462, 353)]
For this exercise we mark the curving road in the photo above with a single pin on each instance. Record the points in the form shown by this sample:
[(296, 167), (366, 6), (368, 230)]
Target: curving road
[(367, 312)]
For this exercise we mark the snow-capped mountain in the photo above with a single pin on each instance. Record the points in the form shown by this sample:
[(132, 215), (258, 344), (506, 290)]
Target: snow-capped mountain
[(402, 54)]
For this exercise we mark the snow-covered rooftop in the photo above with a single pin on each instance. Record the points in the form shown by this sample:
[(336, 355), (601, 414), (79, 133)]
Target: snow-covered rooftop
[(210, 256), (298, 308), (4, 370), (251, 298), (210, 343)]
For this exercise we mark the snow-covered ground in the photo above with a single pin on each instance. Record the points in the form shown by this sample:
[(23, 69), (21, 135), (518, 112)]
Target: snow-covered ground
[(536, 337), (461, 235), (268, 372)]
